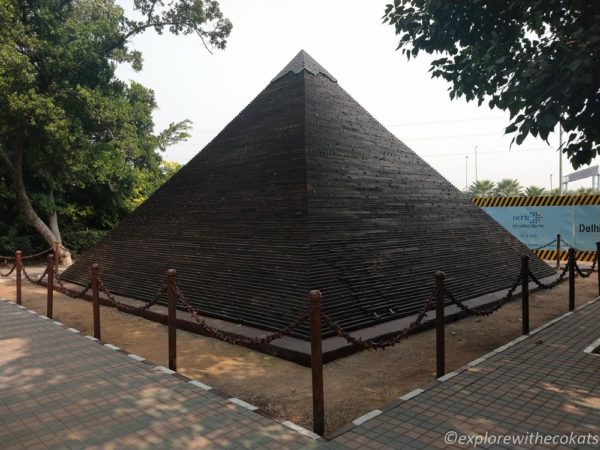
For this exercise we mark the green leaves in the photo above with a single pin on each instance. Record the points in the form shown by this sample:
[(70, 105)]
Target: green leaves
[(538, 60), (88, 137)]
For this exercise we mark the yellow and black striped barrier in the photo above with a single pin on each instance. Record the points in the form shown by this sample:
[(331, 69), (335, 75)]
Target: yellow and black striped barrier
[(549, 200), (550, 255)]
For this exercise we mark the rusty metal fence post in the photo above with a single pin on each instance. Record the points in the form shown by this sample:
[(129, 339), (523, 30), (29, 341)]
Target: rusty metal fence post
[(50, 295), (558, 252), (316, 362), (440, 343), (96, 300), (172, 318), (598, 264), (56, 255), (525, 293), (571, 279), (18, 263)]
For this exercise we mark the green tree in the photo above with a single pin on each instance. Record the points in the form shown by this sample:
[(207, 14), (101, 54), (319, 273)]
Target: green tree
[(508, 188), (537, 59), (482, 188), (535, 191), (588, 191), (66, 121), (553, 192)]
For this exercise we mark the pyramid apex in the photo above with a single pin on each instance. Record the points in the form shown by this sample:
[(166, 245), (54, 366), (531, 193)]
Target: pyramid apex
[(303, 61)]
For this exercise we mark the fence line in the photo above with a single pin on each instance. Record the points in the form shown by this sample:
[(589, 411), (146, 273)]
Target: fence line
[(313, 314)]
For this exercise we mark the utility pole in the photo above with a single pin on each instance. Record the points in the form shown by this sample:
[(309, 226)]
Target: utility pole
[(467, 172), (560, 159), (476, 179), (550, 181)]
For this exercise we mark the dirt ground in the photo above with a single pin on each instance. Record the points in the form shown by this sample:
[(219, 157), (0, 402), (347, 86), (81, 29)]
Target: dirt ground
[(354, 385)]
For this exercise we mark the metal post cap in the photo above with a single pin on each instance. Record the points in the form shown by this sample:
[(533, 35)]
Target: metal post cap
[(440, 274), (95, 266), (171, 272), (18, 252), (315, 296)]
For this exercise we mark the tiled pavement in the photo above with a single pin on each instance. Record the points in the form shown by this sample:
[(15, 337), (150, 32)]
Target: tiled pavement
[(60, 390), (543, 386)]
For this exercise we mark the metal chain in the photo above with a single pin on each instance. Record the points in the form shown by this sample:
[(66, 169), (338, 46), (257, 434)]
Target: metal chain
[(570, 246), (552, 284), (487, 311), (381, 344), (7, 274), (58, 279), (31, 280), (218, 334), (70, 293), (127, 308), (545, 245), (35, 255), (581, 273), (565, 242)]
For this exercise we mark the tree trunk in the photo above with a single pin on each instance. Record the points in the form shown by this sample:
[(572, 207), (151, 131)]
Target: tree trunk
[(23, 199), (65, 255)]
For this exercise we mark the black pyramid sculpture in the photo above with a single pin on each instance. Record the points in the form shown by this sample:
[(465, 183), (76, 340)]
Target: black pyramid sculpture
[(305, 190)]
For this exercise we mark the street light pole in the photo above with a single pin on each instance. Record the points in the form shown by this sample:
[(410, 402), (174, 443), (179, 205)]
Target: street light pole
[(550, 181), (476, 179), (467, 172), (560, 159)]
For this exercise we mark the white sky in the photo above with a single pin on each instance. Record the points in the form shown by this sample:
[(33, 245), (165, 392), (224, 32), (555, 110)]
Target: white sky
[(349, 40)]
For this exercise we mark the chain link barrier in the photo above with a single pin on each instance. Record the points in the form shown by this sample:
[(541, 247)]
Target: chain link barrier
[(583, 274), (381, 344), (545, 245), (59, 280), (218, 334), (70, 293), (552, 284), (484, 311), (24, 258), (127, 308), (7, 274), (374, 343), (34, 281), (565, 242)]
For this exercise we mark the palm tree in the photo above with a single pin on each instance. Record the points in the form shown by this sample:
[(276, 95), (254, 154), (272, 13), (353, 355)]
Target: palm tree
[(481, 188), (508, 188), (556, 191), (553, 192), (535, 191), (589, 191)]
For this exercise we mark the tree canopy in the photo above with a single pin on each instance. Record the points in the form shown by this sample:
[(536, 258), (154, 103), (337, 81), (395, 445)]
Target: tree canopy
[(74, 138), (540, 60), (508, 187)]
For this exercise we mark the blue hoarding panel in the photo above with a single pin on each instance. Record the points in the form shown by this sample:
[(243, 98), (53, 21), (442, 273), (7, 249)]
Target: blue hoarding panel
[(538, 225), (586, 226)]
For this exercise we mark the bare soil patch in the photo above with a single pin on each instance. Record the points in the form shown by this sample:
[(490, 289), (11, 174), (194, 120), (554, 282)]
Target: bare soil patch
[(354, 385)]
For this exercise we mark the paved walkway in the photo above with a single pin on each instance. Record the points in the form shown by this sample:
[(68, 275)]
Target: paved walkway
[(61, 390), (539, 387)]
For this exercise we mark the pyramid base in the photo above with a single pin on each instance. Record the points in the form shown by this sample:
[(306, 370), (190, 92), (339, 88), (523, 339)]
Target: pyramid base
[(298, 350)]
